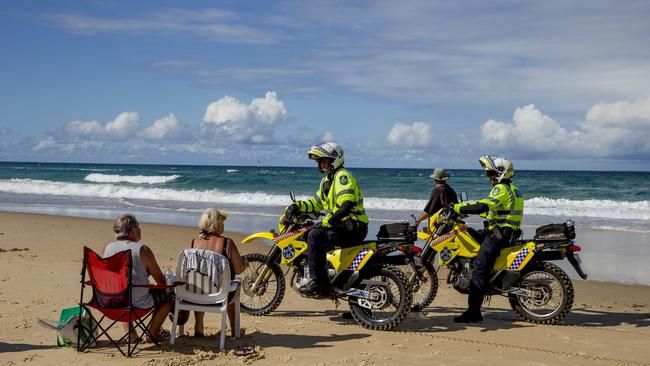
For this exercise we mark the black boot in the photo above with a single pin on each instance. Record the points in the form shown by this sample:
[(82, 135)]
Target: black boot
[(313, 288), (473, 312)]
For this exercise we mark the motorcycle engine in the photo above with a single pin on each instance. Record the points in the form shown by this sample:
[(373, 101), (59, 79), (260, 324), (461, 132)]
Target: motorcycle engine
[(462, 275)]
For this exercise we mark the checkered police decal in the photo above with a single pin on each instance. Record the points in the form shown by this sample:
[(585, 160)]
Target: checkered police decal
[(447, 236), (291, 233), (358, 259), (523, 253)]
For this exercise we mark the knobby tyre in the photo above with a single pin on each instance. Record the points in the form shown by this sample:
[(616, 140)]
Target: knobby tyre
[(553, 294), (268, 296), (425, 289), (392, 306)]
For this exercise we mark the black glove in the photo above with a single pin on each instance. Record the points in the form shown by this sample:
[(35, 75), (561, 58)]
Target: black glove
[(291, 210)]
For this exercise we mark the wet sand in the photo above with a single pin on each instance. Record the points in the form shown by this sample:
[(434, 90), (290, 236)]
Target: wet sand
[(40, 261)]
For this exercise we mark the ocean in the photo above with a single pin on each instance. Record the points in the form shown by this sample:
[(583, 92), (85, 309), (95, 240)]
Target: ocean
[(255, 196)]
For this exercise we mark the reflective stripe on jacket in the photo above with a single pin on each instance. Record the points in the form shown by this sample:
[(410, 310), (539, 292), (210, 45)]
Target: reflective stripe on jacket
[(343, 188), (506, 205)]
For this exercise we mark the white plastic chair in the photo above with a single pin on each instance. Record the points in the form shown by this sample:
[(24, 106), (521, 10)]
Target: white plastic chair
[(203, 293)]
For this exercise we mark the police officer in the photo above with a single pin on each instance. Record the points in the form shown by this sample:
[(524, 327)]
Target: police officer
[(503, 209), (346, 220)]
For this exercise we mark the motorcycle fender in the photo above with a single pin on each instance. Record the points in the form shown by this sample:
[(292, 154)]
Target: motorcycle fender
[(515, 258), (352, 258), (262, 235), (423, 235)]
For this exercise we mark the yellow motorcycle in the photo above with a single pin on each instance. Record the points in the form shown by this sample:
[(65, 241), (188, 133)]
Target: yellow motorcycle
[(378, 294), (538, 290)]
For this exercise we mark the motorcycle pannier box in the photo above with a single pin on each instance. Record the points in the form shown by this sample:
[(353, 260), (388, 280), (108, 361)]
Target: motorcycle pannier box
[(555, 232), (394, 232)]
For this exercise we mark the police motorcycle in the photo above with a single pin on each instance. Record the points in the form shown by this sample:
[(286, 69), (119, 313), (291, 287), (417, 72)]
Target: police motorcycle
[(378, 294), (538, 290)]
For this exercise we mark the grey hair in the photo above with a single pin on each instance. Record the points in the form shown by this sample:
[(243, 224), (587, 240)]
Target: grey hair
[(123, 224)]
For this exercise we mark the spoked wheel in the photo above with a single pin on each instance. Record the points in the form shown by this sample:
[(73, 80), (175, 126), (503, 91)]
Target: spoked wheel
[(390, 302), (550, 298), (425, 287), (266, 297)]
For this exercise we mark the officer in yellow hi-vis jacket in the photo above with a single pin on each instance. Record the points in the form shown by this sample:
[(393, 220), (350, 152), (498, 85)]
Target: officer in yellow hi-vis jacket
[(504, 211), (345, 220)]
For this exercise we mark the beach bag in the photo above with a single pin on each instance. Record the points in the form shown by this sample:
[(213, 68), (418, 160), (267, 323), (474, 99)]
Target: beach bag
[(67, 328), (563, 231)]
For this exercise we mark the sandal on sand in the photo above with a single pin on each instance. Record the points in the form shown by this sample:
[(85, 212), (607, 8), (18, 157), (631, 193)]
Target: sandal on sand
[(162, 335), (244, 350)]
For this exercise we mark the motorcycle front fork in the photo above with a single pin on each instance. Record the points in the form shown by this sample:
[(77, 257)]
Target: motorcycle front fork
[(266, 272)]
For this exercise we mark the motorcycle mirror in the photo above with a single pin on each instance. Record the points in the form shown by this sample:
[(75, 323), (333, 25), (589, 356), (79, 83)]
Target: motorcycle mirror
[(463, 196), (293, 196)]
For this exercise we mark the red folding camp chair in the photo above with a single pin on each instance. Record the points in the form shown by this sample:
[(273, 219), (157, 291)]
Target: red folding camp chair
[(111, 281)]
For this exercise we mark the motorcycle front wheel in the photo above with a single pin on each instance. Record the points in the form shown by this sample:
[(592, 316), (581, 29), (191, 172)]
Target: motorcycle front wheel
[(425, 287), (266, 297), (391, 298), (551, 296)]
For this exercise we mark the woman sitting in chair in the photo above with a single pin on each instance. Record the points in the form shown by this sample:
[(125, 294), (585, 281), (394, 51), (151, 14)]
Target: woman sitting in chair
[(211, 225)]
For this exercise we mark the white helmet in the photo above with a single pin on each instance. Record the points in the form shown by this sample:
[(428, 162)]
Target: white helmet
[(498, 164), (329, 150)]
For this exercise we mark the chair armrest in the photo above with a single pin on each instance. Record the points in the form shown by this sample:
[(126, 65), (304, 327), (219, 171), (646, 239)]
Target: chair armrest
[(234, 284), (177, 283)]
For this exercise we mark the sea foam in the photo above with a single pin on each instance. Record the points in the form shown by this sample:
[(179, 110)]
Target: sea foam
[(135, 179), (602, 209)]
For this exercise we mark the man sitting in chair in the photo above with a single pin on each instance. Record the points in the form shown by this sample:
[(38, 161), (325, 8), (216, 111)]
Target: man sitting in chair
[(127, 232)]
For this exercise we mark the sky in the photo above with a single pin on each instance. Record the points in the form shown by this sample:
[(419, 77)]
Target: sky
[(548, 84)]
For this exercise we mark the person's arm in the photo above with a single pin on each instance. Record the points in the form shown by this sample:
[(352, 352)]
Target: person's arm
[(239, 263), (149, 261), (423, 216)]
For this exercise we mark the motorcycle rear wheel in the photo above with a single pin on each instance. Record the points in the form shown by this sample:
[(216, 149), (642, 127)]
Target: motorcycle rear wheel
[(553, 294), (393, 304), (268, 296)]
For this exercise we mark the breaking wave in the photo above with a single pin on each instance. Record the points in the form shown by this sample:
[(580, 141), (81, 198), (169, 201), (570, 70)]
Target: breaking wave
[(135, 179), (598, 209)]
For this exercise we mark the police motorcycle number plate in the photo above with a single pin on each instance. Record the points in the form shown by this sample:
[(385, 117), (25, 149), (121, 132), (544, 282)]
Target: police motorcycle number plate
[(577, 257)]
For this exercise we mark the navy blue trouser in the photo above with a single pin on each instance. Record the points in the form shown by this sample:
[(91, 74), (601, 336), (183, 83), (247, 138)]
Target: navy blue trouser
[(483, 264), (321, 240)]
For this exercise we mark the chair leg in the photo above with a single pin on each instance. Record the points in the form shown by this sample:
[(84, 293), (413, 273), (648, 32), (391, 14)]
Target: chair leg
[(172, 339), (237, 306), (222, 342)]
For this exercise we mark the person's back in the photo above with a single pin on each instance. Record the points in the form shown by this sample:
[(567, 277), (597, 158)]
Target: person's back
[(128, 235), (212, 226), (139, 274)]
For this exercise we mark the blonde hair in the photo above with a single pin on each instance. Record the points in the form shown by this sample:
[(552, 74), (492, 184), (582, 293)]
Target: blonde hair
[(211, 222)]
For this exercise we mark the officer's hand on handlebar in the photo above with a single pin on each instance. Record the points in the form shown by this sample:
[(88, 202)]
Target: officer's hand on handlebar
[(291, 210)]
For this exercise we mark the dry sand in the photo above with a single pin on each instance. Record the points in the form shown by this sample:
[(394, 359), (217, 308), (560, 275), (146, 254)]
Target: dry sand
[(40, 261)]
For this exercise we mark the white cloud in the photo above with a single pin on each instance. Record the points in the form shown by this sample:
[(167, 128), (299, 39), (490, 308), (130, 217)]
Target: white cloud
[(328, 137), (51, 143), (228, 118), (610, 130), (165, 128), (211, 24), (123, 126), (419, 134)]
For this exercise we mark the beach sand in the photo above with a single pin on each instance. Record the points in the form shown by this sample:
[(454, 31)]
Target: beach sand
[(40, 261)]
